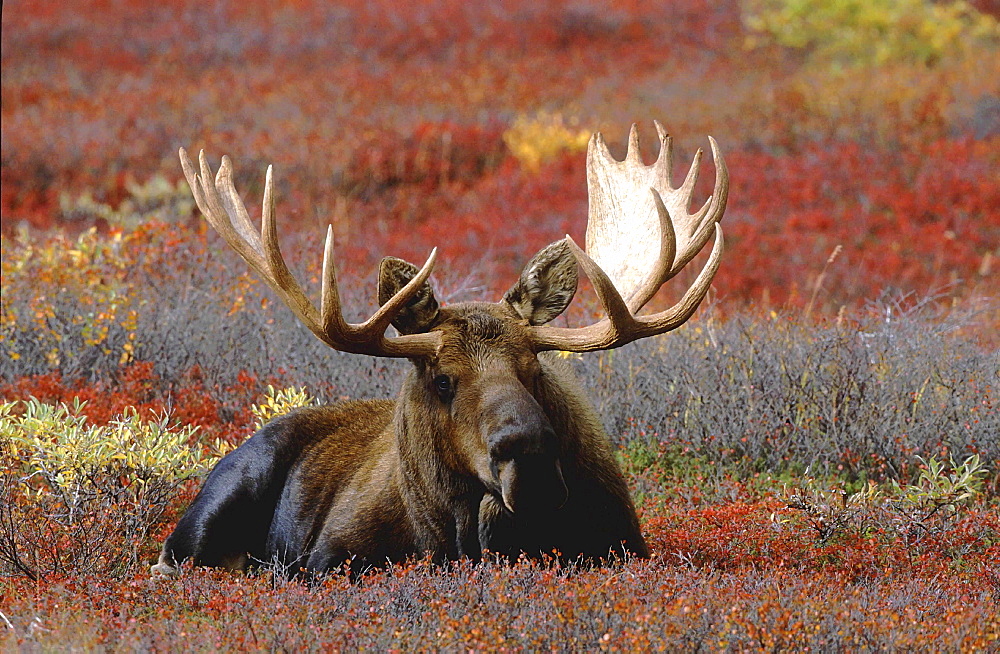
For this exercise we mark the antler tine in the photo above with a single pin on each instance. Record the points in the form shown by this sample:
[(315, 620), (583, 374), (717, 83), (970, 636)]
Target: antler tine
[(687, 187), (235, 210), (276, 273), (221, 205), (632, 152), (661, 269), (665, 160), (333, 318), (710, 212)]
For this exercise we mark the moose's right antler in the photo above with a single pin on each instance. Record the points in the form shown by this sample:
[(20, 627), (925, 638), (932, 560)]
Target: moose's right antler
[(221, 205), (639, 235)]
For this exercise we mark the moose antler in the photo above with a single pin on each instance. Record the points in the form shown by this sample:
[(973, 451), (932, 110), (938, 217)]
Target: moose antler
[(221, 205), (639, 235)]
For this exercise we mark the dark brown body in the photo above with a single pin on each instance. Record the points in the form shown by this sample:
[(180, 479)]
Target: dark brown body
[(377, 481)]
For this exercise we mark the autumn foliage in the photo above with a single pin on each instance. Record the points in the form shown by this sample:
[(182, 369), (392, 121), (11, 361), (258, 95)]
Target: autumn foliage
[(815, 457)]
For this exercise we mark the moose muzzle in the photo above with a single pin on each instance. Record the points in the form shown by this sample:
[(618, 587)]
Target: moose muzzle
[(524, 454)]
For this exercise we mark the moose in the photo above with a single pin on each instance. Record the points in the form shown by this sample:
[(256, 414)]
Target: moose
[(491, 445)]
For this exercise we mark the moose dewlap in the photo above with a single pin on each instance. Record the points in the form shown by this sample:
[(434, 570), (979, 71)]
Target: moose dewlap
[(491, 444)]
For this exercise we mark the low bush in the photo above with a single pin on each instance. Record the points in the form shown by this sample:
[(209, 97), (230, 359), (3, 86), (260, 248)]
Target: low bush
[(929, 507), (862, 397), (79, 498), (279, 402)]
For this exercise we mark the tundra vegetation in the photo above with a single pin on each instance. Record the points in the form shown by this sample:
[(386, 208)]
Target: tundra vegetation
[(813, 457)]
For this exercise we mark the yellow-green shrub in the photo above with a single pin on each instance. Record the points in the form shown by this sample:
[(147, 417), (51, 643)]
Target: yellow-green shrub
[(56, 443), (278, 403), (76, 497), (84, 498), (870, 32)]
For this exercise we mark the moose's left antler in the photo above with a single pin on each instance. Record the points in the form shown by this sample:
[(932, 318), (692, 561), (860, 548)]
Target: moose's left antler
[(639, 235)]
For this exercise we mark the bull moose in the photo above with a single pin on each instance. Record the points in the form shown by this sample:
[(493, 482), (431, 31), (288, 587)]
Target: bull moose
[(491, 444)]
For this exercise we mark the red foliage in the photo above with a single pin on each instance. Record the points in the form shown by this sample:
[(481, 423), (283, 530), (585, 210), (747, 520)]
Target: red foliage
[(743, 536), (927, 219), (721, 576), (432, 155), (223, 412)]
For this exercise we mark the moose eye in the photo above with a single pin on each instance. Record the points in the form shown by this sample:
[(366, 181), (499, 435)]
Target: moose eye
[(442, 384)]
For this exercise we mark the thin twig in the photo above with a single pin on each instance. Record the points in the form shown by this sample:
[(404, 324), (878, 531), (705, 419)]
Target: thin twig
[(819, 280)]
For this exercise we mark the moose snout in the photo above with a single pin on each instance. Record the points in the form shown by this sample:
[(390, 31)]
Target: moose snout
[(524, 458)]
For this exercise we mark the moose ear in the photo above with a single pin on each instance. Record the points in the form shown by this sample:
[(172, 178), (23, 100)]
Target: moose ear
[(420, 312), (546, 286)]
